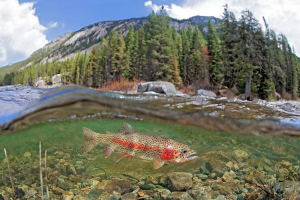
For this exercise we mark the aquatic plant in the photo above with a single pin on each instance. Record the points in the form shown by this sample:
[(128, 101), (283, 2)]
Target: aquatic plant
[(41, 175), (10, 177)]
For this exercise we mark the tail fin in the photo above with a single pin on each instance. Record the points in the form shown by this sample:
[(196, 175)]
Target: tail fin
[(89, 139)]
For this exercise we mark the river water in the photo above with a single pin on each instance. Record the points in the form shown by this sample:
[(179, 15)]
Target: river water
[(246, 150)]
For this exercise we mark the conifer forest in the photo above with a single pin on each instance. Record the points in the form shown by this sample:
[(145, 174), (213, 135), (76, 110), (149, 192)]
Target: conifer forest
[(239, 50)]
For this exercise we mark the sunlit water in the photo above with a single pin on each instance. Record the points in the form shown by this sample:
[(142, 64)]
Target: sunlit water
[(237, 161)]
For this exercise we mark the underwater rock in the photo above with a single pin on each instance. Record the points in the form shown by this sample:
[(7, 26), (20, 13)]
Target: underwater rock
[(229, 176), (158, 87), (148, 187), (179, 196), (129, 196), (153, 180), (178, 181), (240, 154), (67, 195), (27, 154), (203, 177), (67, 185), (57, 191), (95, 194), (206, 93), (200, 192), (30, 193), (119, 185), (19, 193), (221, 197), (79, 197), (163, 193), (212, 176)]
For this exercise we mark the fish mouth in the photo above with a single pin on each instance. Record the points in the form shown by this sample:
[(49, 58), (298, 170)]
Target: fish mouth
[(187, 159)]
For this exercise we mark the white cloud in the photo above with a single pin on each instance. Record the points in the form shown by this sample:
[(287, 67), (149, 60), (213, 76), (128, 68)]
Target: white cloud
[(283, 16), (52, 24), (20, 31)]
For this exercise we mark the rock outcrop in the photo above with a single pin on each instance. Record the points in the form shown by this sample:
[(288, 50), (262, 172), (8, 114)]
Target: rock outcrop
[(158, 87), (206, 93)]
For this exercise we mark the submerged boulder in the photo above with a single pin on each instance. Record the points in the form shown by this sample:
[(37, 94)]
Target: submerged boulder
[(206, 93), (158, 87), (179, 181)]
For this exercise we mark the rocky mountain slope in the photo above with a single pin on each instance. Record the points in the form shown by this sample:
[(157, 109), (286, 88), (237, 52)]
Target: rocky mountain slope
[(83, 40)]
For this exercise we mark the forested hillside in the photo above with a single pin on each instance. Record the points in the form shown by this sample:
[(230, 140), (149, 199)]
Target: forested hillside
[(238, 53)]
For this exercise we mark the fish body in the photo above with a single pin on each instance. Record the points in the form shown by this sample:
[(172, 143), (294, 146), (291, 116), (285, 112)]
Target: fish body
[(132, 144)]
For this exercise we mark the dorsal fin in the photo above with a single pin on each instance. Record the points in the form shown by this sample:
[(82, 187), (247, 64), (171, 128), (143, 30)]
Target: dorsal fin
[(126, 128)]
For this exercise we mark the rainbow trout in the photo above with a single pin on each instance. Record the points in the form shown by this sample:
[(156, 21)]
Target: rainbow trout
[(132, 144)]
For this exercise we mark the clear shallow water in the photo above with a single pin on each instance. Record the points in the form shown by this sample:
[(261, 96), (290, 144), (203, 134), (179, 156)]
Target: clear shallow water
[(236, 160)]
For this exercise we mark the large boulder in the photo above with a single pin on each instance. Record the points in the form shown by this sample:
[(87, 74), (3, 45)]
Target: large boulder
[(56, 79), (158, 87), (40, 82), (206, 93)]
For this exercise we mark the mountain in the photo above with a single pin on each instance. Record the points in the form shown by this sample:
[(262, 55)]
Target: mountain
[(68, 45)]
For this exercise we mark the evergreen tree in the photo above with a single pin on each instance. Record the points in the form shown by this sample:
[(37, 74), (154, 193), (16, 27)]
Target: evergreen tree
[(215, 54), (113, 60), (140, 66), (122, 64), (159, 42), (230, 40), (176, 79), (130, 54), (92, 72)]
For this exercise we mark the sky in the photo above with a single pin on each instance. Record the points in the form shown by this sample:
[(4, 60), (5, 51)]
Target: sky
[(27, 25)]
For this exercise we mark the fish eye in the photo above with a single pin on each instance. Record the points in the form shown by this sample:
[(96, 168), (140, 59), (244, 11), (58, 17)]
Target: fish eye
[(184, 151)]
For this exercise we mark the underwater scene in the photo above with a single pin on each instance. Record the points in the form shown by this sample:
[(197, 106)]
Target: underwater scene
[(77, 143)]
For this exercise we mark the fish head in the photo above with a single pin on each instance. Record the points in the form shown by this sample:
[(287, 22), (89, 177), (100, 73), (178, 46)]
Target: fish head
[(179, 155)]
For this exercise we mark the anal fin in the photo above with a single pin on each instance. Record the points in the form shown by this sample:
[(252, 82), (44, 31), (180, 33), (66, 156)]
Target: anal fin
[(108, 151), (158, 162), (125, 155)]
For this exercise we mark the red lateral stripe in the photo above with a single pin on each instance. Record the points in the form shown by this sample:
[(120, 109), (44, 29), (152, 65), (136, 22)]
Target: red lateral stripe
[(135, 145)]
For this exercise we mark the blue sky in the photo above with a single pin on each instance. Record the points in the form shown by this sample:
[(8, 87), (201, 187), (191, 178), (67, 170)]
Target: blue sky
[(27, 25), (73, 15)]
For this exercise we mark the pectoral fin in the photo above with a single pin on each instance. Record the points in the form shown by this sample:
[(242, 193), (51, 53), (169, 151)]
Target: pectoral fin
[(108, 151), (158, 162)]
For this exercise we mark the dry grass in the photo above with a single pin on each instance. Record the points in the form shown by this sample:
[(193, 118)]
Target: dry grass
[(122, 84), (287, 96), (189, 90)]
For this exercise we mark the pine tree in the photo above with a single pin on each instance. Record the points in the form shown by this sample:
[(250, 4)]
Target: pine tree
[(122, 64), (215, 54), (130, 53), (176, 79), (185, 57), (159, 42), (140, 66), (113, 60), (92, 72), (230, 40)]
